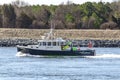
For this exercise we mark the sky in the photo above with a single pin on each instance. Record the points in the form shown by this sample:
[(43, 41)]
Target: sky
[(54, 2)]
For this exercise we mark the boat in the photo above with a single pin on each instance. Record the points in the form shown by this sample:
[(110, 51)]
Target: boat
[(51, 46)]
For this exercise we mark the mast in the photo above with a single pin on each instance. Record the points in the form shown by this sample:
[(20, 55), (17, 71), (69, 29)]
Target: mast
[(50, 34)]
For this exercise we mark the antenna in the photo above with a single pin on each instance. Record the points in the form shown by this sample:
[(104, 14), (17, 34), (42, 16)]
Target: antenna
[(50, 34)]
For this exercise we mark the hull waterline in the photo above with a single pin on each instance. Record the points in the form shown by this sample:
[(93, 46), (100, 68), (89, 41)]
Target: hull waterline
[(55, 53)]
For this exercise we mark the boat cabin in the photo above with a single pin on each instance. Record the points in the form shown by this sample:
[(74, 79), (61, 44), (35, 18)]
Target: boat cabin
[(56, 44)]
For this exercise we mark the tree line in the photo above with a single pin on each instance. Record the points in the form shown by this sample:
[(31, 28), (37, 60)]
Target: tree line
[(90, 15)]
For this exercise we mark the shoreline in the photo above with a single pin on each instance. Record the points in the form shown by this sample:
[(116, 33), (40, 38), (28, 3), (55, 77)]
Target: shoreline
[(101, 38), (82, 43)]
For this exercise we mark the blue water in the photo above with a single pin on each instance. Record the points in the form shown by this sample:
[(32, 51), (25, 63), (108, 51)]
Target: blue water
[(104, 66)]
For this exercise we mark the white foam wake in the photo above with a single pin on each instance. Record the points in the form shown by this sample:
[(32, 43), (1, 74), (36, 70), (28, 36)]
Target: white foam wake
[(20, 54), (105, 56)]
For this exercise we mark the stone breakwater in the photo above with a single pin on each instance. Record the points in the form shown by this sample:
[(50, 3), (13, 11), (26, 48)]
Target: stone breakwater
[(82, 43), (15, 42), (100, 38)]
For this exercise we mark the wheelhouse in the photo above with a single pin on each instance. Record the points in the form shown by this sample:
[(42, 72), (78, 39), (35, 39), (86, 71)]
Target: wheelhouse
[(55, 44), (52, 42)]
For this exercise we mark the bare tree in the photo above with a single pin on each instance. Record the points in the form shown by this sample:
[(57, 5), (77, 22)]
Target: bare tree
[(20, 3)]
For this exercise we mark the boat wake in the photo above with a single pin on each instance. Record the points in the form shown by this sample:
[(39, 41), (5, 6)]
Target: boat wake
[(104, 56), (20, 54)]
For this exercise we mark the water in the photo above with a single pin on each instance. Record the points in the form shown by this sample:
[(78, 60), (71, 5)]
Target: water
[(104, 66)]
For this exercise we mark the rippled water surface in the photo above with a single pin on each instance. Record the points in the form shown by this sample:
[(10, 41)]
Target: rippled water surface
[(104, 66)]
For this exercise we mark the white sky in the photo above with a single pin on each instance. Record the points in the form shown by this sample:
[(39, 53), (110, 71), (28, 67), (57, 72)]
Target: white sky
[(55, 2)]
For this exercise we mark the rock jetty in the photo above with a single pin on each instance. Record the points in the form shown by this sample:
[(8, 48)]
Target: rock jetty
[(82, 43), (15, 42), (99, 38), (100, 43)]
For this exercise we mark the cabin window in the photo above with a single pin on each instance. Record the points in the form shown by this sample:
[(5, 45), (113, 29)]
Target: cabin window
[(58, 43), (62, 43), (44, 43), (49, 43), (54, 43), (40, 43)]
